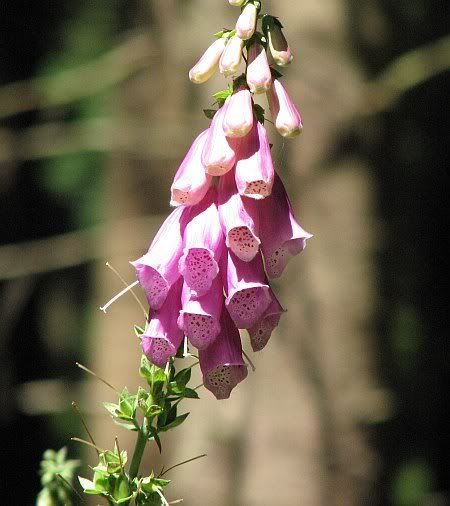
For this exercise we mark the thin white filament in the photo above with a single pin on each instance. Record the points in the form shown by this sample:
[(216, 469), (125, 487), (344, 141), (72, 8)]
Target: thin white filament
[(116, 297)]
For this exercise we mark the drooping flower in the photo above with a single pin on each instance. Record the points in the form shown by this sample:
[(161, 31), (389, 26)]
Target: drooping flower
[(262, 330), (284, 113), (162, 337), (238, 118), (259, 77), (203, 245), (200, 316), (240, 225), (208, 63), (231, 57), (254, 167), (246, 289), (278, 46), (158, 270), (191, 182), (221, 362), (219, 153), (246, 23), (281, 236)]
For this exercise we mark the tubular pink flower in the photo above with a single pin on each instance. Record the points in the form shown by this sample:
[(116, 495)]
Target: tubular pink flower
[(240, 225), (238, 118), (281, 237), (259, 77), (203, 245), (247, 292), (278, 46), (221, 362), (199, 317), (231, 57), (254, 167), (260, 332), (284, 113), (207, 65), (157, 270), (191, 182), (246, 23), (162, 337), (219, 155)]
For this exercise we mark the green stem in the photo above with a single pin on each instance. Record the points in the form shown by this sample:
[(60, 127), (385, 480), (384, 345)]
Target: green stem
[(139, 449)]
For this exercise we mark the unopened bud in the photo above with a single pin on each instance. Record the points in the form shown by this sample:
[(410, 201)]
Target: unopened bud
[(231, 57), (208, 63), (278, 46), (238, 119), (285, 115), (246, 23), (259, 77)]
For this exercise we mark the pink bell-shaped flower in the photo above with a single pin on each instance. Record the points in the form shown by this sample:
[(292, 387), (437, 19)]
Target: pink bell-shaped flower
[(208, 63), (260, 332), (219, 153), (254, 167), (278, 46), (191, 182), (221, 362), (200, 317), (246, 23), (259, 77), (238, 118), (203, 245), (162, 337), (158, 270), (281, 236), (240, 225), (246, 288), (231, 57), (284, 113)]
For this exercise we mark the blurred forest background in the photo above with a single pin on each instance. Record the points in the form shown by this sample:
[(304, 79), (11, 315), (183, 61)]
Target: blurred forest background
[(96, 111)]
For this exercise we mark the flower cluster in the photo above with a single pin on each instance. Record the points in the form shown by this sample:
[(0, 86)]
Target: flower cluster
[(206, 273)]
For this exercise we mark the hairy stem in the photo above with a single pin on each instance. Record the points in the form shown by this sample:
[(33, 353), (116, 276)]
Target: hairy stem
[(139, 449)]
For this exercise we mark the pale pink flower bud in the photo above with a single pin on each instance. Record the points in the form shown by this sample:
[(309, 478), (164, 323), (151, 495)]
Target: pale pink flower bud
[(278, 46), (254, 167), (237, 3), (200, 316), (238, 119), (162, 337), (203, 245), (221, 362), (246, 23), (231, 57), (239, 224), (281, 237), (157, 270), (284, 113), (191, 182), (260, 332), (246, 288), (259, 77), (208, 63), (219, 153)]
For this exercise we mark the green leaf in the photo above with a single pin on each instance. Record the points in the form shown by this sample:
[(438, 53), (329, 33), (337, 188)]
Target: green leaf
[(223, 94), (259, 113), (154, 435), (127, 425), (138, 331), (88, 485), (189, 393), (209, 113), (183, 377), (112, 408), (178, 421)]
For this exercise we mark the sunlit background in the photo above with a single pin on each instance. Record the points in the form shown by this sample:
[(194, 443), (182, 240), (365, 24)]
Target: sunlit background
[(346, 406)]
